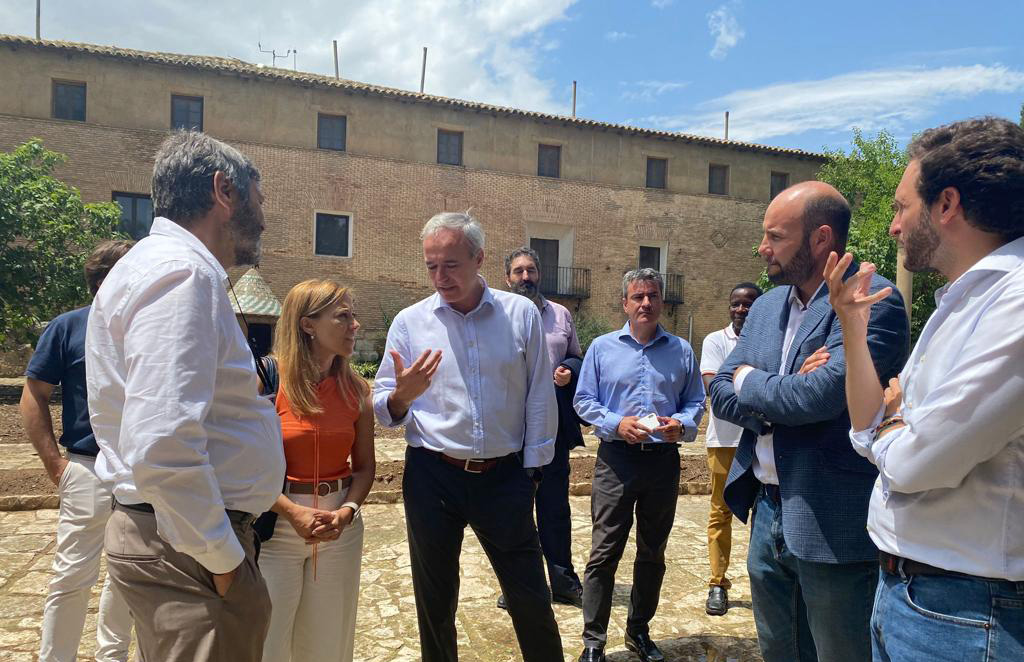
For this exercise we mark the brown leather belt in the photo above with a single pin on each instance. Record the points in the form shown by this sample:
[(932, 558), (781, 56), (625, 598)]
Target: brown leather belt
[(323, 488), (470, 466), (902, 567)]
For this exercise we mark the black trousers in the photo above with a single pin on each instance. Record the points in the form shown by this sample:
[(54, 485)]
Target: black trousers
[(627, 478), (554, 522), (440, 500)]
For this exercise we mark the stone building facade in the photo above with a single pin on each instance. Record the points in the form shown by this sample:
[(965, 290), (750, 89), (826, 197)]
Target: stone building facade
[(611, 197)]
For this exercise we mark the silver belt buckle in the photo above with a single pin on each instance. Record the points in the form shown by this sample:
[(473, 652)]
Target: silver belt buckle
[(466, 467), (326, 488)]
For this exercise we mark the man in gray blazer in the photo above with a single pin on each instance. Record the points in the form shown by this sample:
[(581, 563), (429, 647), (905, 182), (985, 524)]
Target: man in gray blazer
[(813, 569)]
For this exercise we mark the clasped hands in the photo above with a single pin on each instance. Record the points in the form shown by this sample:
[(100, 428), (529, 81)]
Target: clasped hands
[(316, 525), (634, 433)]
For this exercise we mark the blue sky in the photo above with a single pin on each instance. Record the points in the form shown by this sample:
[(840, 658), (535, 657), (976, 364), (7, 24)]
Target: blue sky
[(793, 74)]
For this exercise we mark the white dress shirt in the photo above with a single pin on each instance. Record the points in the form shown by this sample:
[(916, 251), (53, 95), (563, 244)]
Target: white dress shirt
[(492, 393), (950, 491), (714, 351), (764, 451), (173, 397)]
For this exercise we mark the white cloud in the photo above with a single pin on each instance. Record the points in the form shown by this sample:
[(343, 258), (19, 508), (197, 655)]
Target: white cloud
[(485, 50), (614, 36), (894, 99), (649, 90), (725, 29), (661, 4)]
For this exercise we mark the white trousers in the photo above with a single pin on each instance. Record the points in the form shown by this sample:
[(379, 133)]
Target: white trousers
[(312, 620), (85, 503)]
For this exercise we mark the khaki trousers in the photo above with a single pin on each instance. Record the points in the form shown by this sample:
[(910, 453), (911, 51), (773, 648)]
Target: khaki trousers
[(179, 616), (720, 518)]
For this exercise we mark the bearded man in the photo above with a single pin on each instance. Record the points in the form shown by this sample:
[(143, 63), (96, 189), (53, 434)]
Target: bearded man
[(813, 568), (192, 450)]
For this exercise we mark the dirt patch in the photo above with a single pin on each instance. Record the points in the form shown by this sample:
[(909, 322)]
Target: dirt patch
[(11, 431), (16, 482)]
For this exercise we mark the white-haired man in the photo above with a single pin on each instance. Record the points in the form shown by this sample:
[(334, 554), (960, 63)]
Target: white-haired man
[(470, 379)]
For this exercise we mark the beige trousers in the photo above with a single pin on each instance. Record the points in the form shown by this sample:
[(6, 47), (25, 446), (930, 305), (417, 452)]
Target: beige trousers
[(179, 616), (720, 519)]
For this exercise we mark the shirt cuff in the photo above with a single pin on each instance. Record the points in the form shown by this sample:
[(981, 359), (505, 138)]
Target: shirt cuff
[(223, 556), (380, 407), (689, 428), (610, 424), (538, 455), (739, 377), (862, 440)]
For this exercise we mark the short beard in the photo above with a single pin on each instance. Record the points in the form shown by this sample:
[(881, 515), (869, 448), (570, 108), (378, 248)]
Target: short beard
[(799, 268), (245, 231), (920, 245), (528, 290)]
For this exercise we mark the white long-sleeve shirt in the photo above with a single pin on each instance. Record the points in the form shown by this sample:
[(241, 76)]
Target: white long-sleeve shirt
[(950, 491), (492, 393), (173, 397)]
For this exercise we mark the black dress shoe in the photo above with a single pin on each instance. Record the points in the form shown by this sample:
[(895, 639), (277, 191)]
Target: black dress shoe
[(718, 601), (592, 655), (501, 602), (642, 645), (572, 597)]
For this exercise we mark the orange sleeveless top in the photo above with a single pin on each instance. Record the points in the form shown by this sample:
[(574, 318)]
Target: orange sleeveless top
[(333, 432)]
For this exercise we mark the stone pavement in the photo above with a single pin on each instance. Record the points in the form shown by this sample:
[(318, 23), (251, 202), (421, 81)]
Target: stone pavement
[(387, 618)]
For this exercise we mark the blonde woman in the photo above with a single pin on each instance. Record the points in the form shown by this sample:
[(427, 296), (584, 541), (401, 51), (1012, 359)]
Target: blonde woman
[(312, 561)]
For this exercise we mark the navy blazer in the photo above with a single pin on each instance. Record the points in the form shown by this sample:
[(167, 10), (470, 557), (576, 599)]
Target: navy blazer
[(569, 433), (825, 485)]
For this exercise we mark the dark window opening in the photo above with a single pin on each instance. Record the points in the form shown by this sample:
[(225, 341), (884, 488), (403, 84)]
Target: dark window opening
[(656, 172), (547, 251), (718, 179), (649, 258), (332, 235), (549, 160), (780, 182), (136, 214), (330, 132), (186, 112), (69, 101), (449, 147)]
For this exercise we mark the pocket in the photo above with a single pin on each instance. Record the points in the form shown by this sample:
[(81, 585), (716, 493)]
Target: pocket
[(65, 477), (934, 597)]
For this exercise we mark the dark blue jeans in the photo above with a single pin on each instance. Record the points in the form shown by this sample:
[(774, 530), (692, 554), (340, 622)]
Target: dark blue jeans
[(806, 611), (947, 619)]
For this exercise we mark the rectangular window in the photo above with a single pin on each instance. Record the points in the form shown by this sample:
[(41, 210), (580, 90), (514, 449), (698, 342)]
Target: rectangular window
[(332, 235), (547, 251), (649, 258), (186, 112), (718, 179), (549, 159), (136, 214), (330, 131), (69, 101), (656, 172), (449, 147), (780, 182)]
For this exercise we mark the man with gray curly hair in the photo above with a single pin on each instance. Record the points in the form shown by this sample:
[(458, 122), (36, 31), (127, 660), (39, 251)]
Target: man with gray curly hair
[(470, 379), (192, 451)]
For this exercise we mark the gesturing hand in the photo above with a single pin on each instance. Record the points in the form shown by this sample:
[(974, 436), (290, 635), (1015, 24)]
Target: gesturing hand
[(814, 361), (852, 300), (411, 382)]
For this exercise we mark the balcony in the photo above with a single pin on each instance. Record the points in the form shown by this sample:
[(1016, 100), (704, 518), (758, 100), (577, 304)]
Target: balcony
[(673, 288), (572, 282)]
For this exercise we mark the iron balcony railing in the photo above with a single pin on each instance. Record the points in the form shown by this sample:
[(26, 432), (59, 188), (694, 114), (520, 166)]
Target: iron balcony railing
[(571, 282), (673, 288)]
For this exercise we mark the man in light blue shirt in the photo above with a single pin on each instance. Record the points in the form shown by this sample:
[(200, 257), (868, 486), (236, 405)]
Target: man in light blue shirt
[(641, 389), (947, 436), (478, 404)]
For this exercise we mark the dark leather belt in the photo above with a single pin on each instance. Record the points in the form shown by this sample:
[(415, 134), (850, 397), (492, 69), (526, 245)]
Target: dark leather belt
[(323, 488), (902, 567), (470, 466), (772, 492), (237, 516), (641, 446)]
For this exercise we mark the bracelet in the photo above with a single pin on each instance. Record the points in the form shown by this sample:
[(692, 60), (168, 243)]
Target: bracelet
[(888, 423), (353, 505)]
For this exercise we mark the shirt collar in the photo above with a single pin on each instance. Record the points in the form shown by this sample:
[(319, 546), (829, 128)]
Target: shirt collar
[(794, 296), (624, 333), (167, 228), (487, 298), (730, 332), (1006, 258)]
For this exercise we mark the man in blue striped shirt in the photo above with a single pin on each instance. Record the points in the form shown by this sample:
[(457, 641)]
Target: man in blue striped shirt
[(640, 387)]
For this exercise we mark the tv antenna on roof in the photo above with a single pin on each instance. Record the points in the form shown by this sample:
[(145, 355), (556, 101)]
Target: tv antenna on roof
[(274, 55)]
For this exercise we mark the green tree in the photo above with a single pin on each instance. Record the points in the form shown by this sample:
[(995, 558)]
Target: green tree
[(46, 233), (868, 176)]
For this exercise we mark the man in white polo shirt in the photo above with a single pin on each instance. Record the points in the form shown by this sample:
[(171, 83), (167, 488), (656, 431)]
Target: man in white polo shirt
[(721, 440)]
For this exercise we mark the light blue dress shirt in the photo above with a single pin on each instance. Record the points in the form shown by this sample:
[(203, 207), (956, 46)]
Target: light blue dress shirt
[(621, 377), (492, 393)]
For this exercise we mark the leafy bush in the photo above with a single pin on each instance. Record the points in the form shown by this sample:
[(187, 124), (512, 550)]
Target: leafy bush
[(588, 328), (366, 369)]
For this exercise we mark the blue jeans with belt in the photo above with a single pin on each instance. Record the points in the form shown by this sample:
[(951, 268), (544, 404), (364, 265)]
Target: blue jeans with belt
[(943, 618), (804, 610)]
